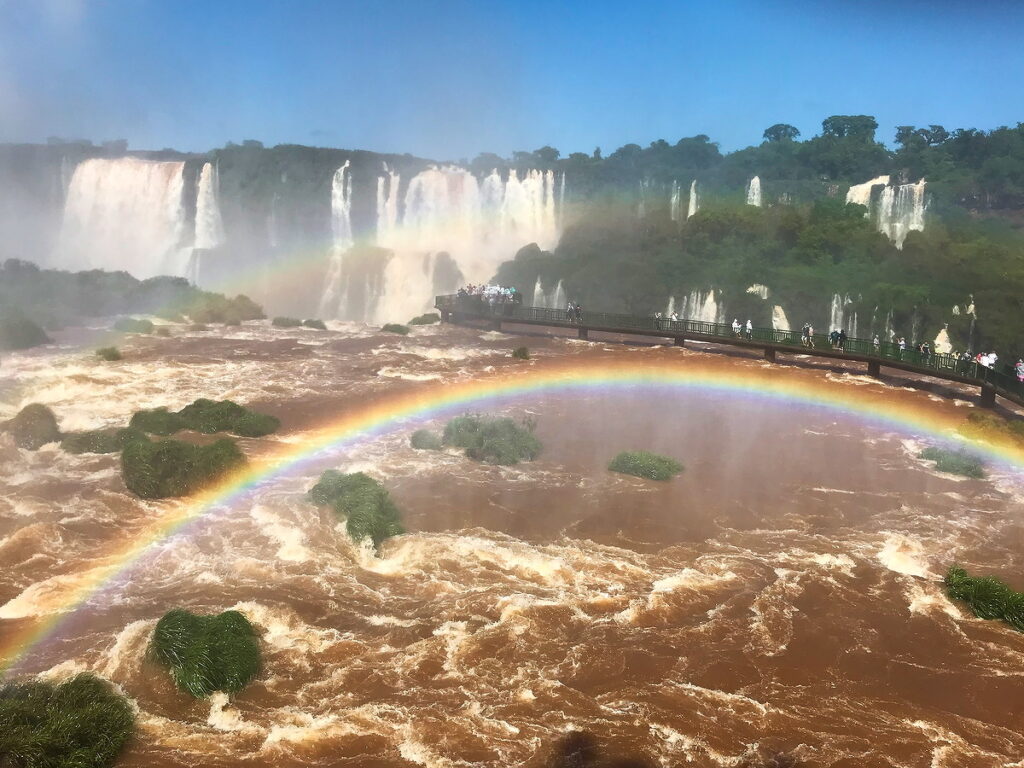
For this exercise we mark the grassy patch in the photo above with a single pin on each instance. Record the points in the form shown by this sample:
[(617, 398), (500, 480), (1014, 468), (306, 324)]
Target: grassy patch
[(208, 417), (955, 462), (428, 319), (365, 504), (395, 328), (988, 597), (645, 464), (110, 354), (33, 427), (493, 440), (81, 723), (314, 323), (425, 440), (131, 325), (158, 470), (286, 322), (101, 440), (521, 353), (207, 653)]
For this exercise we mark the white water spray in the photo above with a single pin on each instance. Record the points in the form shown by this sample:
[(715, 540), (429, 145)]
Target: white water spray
[(209, 226), (754, 191), (694, 204)]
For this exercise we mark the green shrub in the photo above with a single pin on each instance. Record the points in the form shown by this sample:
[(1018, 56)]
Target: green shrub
[(427, 319), (645, 464), (163, 331), (33, 427), (988, 597), (157, 421), (286, 322), (131, 325), (101, 440), (208, 417), (215, 308), (110, 354), (395, 328), (492, 440), (158, 470), (207, 653), (317, 324), (81, 723), (19, 332), (521, 353), (955, 462), (425, 440), (365, 504)]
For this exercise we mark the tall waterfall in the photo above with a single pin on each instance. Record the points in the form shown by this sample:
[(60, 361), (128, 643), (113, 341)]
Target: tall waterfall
[(779, 320), (209, 226), (754, 191), (553, 299), (449, 227), (898, 210), (125, 214), (337, 287), (674, 202), (702, 306), (861, 193), (841, 318), (694, 204)]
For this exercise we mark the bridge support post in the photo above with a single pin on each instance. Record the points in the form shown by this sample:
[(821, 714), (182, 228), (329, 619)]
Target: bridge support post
[(680, 341), (582, 333), (988, 396), (874, 368), (446, 317), (769, 354)]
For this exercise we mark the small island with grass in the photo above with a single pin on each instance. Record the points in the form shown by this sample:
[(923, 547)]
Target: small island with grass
[(987, 597), (208, 417), (955, 462), (425, 440), (369, 512), (646, 464), (402, 330), (493, 439), (169, 468)]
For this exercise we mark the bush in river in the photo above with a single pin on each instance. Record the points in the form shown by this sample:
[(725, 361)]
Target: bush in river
[(158, 470), (110, 354), (131, 325), (521, 353), (365, 504), (286, 322), (19, 332), (425, 440), (645, 464), (33, 427), (493, 440), (80, 723), (988, 597), (317, 324), (206, 653), (101, 440), (427, 319), (395, 328), (208, 417), (955, 462)]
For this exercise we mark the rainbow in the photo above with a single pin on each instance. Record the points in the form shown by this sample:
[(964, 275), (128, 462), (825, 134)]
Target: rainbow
[(666, 377)]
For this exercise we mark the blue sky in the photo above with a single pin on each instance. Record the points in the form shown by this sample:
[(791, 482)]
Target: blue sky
[(450, 79)]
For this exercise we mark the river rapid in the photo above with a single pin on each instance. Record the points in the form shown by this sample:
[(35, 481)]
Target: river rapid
[(782, 595)]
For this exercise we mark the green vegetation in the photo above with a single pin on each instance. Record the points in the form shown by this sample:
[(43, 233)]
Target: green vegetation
[(645, 464), (395, 328), (158, 470), (19, 332), (493, 440), (428, 319), (317, 324), (286, 322), (362, 501), (955, 462), (101, 440), (207, 653), (214, 308), (33, 427), (984, 425), (988, 597), (521, 353), (208, 417), (132, 325), (81, 723), (110, 354), (425, 440)]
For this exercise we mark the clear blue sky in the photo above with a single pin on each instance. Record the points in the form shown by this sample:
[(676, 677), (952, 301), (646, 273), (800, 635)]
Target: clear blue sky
[(450, 79)]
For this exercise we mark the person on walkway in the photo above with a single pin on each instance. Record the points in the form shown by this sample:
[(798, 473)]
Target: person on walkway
[(750, 329), (569, 312), (903, 346), (810, 336), (1019, 369), (833, 338), (736, 327), (805, 338), (675, 317), (876, 344), (579, 314), (841, 339)]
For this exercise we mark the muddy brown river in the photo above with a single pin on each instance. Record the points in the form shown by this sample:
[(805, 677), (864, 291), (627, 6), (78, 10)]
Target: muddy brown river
[(782, 595)]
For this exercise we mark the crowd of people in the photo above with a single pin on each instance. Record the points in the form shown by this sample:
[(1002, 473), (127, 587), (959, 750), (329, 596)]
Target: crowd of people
[(491, 294)]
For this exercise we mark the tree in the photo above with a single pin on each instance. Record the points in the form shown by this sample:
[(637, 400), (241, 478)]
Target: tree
[(546, 154), (597, 153), (781, 132), (861, 127)]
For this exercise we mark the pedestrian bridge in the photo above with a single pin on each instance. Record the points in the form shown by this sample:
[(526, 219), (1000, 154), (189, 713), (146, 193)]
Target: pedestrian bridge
[(772, 342)]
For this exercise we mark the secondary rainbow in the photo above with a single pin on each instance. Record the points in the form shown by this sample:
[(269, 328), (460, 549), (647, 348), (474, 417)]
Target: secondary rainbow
[(912, 414)]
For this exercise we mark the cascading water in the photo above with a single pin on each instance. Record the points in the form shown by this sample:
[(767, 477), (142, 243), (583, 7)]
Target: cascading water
[(209, 226), (387, 203), (674, 203), (840, 316), (694, 203), (125, 214), (779, 320), (901, 210), (553, 299), (754, 191), (703, 306), (338, 285), (861, 193), (671, 306)]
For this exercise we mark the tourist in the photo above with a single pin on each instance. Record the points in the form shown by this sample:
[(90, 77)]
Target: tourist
[(806, 338), (841, 339), (1019, 369), (876, 344), (570, 312), (736, 327), (834, 338), (750, 329), (578, 311), (902, 343), (675, 317)]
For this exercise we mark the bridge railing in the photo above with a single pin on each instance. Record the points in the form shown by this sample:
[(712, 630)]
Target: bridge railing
[(939, 363)]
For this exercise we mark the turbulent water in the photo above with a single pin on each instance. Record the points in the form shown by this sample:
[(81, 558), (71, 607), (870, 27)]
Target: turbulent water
[(780, 595)]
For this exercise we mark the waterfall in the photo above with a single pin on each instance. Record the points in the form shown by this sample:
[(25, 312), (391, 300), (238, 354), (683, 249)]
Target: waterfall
[(561, 200), (671, 306), (779, 320), (901, 210), (759, 290), (702, 306), (674, 202), (555, 299), (125, 214), (338, 285), (447, 228), (754, 191), (694, 204), (942, 345), (861, 193), (209, 227), (840, 316)]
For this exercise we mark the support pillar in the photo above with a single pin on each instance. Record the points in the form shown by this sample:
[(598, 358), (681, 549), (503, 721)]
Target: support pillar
[(769, 354), (496, 325), (680, 341), (446, 317), (874, 368), (583, 333), (988, 396)]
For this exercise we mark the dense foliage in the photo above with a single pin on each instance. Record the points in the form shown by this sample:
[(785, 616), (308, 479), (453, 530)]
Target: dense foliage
[(493, 440), (168, 468), (395, 328), (101, 440), (955, 462), (286, 322), (988, 597), (33, 427), (17, 331), (425, 440), (365, 504), (427, 319), (645, 464), (81, 723), (208, 417), (207, 653), (110, 354)]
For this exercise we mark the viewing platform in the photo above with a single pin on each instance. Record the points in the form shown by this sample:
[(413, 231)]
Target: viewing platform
[(771, 342)]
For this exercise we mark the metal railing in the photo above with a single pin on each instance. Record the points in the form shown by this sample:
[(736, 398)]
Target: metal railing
[(940, 364)]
